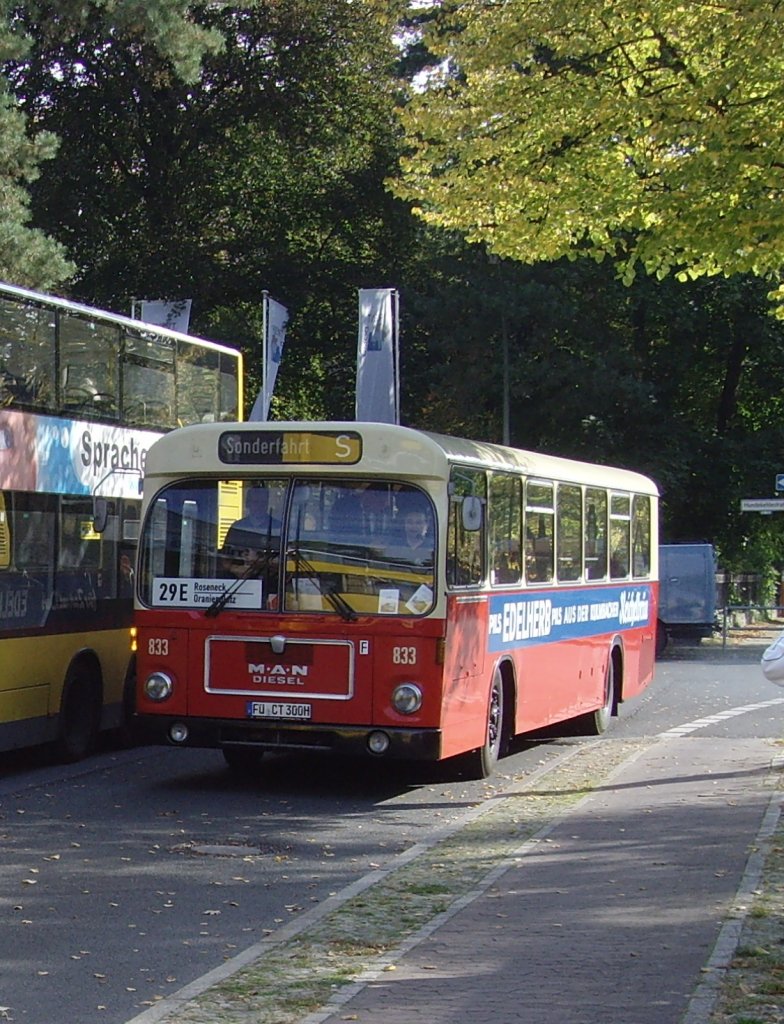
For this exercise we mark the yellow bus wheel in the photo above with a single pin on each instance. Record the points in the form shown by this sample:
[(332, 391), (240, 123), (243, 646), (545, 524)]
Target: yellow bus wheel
[(80, 714)]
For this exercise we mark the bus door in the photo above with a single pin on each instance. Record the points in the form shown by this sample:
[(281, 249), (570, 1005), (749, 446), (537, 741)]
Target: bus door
[(466, 669)]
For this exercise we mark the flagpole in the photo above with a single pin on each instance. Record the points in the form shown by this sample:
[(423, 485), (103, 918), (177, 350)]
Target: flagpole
[(396, 335), (264, 351), (505, 357)]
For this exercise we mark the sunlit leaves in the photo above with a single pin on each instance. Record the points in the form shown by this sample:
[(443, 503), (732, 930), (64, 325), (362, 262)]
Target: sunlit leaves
[(645, 130)]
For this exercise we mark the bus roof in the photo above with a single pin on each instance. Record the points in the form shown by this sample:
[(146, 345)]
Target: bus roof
[(385, 450), (102, 314)]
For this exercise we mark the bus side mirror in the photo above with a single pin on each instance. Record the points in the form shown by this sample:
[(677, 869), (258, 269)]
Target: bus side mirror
[(100, 514), (472, 513)]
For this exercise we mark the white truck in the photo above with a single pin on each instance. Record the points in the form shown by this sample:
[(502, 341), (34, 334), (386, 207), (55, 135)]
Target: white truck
[(687, 592)]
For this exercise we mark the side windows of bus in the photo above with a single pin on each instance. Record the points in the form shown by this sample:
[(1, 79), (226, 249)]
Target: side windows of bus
[(505, 525), (465, 548), (545, 532), (539, 531), (573, 533)]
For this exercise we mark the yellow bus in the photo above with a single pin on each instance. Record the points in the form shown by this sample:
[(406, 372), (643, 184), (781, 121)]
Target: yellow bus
[(83, 395)]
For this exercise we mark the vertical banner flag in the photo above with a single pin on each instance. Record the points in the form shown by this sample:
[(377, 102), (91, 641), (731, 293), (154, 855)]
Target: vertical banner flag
[(378, 385), (274, 338), (174, 315)]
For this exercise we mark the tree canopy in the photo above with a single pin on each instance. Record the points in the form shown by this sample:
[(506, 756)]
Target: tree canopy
[(254, 158), (266, 172), (648, 131), (27, 254)]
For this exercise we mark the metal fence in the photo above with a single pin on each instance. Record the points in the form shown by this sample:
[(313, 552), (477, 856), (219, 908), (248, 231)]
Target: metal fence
[(738, 589), (741, 616)]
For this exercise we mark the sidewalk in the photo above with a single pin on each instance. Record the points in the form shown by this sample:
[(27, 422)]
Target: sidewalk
[(551, 907), (611, 918)]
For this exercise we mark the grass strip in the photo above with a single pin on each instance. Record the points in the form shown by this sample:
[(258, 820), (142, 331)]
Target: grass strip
[(297, 977)]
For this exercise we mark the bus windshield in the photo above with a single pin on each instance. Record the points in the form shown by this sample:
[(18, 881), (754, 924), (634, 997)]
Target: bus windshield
[(347, 547)]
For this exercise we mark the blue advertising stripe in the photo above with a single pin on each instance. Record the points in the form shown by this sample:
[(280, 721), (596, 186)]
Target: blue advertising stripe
[(526, 618)]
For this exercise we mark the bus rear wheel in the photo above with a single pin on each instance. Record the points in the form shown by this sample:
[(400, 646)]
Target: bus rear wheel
[(80, 716), (480, 763), (596, 722)]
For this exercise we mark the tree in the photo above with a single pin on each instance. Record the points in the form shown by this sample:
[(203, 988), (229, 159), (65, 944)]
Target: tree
[(265, 172), (28, 255), (681, 381), (643, 130)]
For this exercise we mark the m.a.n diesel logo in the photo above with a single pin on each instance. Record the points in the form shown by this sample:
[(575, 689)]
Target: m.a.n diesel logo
[(277, 675)]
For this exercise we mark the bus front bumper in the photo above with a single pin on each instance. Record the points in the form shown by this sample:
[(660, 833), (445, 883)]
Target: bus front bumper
[(395, 744)]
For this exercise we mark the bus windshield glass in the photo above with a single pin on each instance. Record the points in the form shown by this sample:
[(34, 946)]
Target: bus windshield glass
[(347, 547)]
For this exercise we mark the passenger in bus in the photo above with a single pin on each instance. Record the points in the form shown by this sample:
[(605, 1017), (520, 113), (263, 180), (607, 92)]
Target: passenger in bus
[(126, 575), (252, 530), (72, 547), (538, 559), (506, 561), (416, 542)]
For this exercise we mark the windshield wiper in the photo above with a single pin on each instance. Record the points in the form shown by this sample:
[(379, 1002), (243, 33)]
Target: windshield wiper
[(336, 599), (340, 604), (256, 567)]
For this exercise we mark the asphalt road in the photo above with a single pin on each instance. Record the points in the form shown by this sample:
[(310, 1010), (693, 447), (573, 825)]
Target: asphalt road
[(124, 878)]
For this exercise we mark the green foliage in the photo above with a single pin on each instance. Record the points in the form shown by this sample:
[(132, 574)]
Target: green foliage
[(683, 382), (28, 255), (265, 173), (643, 130)]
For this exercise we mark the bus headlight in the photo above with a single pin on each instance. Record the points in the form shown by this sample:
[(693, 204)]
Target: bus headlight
[(158, 686), (407, 698)]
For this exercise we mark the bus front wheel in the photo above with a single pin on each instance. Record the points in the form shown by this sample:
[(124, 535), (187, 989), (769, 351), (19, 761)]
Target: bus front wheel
[(80, 715), (481, 762)]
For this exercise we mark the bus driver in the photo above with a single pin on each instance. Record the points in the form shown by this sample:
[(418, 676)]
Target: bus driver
[(252, 537)]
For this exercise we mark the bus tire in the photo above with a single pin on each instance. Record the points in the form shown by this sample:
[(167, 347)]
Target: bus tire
[(242, 760), (480, 763), (662, 638), (80, 714), (596, 722)]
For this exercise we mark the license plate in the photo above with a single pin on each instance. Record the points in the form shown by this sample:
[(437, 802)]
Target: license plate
[(278, 709)]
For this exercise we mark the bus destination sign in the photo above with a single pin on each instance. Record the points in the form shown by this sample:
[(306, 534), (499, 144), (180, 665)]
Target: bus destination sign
[(281, 447)]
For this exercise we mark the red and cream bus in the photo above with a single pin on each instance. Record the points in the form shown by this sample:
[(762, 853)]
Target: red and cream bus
[(406, 594)]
